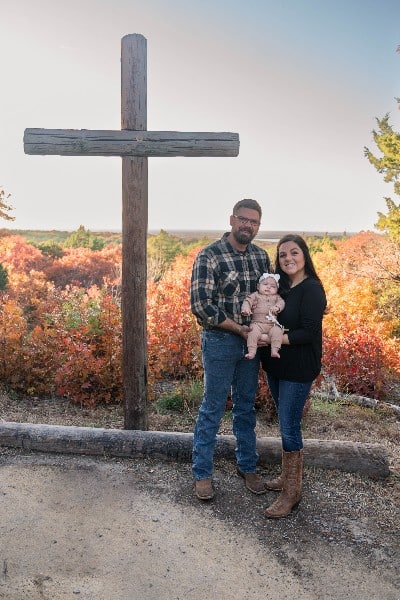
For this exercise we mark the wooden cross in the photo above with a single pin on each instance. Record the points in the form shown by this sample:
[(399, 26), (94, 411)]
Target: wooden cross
[(134, 144)]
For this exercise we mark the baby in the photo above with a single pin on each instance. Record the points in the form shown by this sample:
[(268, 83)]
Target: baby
[(263, 306)]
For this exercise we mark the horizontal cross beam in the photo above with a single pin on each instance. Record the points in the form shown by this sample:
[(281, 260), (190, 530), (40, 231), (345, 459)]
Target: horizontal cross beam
[(83, 142)]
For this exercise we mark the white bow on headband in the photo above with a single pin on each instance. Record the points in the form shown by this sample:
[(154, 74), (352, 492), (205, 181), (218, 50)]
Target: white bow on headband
[(266, 275)]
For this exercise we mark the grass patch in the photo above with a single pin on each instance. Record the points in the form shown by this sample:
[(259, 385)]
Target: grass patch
[(169, 401), (227, 416), (186, 396), (324, 407)]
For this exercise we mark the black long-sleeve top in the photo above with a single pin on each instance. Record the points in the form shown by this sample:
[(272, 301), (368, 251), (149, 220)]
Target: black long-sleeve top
[(300, 361)]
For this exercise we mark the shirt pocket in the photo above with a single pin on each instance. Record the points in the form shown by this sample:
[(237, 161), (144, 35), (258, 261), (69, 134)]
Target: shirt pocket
[(229, 284)]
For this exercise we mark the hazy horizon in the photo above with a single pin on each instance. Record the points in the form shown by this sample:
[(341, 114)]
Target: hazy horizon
[(170, 230)]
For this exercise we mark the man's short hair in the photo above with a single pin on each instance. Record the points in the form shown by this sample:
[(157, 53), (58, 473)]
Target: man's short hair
[(248, 203)]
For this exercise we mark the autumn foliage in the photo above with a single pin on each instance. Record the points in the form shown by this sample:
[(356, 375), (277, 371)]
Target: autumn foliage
[(361, 351), (60, 320), (173, 335)]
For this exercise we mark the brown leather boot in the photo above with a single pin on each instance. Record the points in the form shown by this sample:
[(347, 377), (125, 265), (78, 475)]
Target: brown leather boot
[(253, 482), (204, 489), (290, 495), (276, 484)]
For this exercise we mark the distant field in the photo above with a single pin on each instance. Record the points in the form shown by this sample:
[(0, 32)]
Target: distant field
[(37, 236), (264, 235)]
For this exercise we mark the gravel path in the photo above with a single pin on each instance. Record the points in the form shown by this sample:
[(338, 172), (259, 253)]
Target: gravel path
[(108, 529)]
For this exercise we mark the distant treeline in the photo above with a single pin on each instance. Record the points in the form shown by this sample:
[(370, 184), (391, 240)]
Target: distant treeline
[(262, 234), (38, 236)]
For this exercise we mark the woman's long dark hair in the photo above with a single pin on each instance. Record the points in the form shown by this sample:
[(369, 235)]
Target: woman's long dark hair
[(308, 267)]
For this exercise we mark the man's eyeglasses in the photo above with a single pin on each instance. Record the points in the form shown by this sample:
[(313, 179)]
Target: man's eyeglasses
[(245, 221)]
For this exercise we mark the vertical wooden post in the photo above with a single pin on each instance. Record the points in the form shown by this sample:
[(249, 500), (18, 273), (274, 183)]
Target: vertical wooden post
[(134, 201), (134, 235)]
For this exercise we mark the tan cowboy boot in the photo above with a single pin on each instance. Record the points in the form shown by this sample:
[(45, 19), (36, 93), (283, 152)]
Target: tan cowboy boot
[(276, 484), (290, 495)]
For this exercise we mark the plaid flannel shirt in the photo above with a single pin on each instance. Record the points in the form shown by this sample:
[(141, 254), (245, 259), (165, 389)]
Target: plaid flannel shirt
[(221, 279)]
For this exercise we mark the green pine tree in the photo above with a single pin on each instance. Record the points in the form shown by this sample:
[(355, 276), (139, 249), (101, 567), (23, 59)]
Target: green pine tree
[(3, 278), (83, 238), (388, 164)]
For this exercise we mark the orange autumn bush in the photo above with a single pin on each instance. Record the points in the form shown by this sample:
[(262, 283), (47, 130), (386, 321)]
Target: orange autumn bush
[(12, 332), (19, 256), (360, 351), (173, 334), (84, 267), (90, 345)]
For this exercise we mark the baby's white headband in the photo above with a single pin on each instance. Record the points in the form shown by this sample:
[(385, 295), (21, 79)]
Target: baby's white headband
[(266, 275)]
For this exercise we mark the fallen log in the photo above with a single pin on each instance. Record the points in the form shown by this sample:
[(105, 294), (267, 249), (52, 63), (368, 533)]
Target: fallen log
[(368, 459), (372, 403), (363, 401)]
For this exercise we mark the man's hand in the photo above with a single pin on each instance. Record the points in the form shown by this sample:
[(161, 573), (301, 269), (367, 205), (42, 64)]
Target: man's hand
[(230, 325), (244, 331)]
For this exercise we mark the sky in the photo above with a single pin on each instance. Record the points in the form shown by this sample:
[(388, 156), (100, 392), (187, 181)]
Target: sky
[(301, 81)]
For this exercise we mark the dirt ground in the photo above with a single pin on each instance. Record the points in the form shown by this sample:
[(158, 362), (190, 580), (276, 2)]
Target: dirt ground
[(123, 529)]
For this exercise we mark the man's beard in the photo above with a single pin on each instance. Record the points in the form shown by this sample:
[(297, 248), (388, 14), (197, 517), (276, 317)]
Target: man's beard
[(243, 236)]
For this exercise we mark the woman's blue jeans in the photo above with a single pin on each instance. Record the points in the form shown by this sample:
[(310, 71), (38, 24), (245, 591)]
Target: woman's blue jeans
[(290, 398), (225, 370)]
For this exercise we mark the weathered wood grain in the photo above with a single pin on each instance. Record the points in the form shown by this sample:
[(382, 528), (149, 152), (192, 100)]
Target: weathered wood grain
[(134, 234), (83, 142)]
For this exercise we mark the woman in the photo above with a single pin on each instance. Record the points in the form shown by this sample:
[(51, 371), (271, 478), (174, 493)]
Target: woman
[(290, 378)]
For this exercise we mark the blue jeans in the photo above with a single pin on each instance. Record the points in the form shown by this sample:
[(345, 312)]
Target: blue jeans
[(290, 398), (225, 370)]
